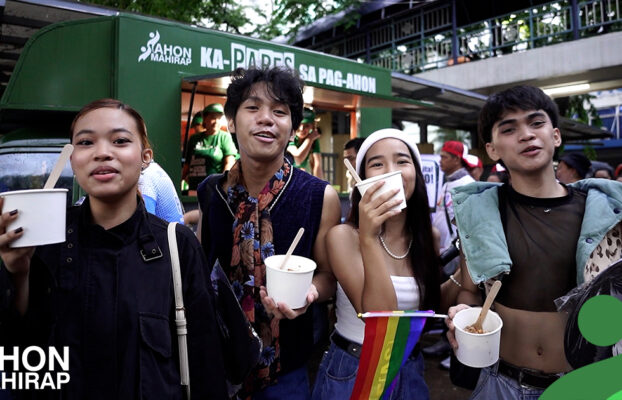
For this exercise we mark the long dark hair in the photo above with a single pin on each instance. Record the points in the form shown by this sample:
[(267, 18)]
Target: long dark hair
[(424, 262)]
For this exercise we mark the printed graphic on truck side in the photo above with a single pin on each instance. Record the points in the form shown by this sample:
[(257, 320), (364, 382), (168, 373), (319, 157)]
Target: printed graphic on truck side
[(165, 53), (244, 56)]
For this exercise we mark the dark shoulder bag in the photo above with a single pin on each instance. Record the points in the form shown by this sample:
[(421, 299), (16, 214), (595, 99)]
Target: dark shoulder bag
[(241, 346), (460, 375)]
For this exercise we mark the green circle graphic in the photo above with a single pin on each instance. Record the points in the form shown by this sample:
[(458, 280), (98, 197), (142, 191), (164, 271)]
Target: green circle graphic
[(599, 320), (616, 396)]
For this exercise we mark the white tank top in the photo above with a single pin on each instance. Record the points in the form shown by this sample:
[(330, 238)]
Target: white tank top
[(352, 327)]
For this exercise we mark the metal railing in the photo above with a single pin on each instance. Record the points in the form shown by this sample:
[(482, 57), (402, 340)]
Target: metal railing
[(425, 40), (328, 167), (613, 116), (388, 33)]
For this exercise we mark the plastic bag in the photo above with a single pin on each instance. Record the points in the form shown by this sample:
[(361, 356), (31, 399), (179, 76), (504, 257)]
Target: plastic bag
[(579, 351)]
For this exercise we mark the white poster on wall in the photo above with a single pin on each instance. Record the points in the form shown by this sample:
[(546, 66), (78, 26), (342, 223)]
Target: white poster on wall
[(433, 176)]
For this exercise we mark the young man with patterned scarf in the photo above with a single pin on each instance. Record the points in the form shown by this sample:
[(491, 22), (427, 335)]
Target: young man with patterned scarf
[(254, 211), (540, 237)]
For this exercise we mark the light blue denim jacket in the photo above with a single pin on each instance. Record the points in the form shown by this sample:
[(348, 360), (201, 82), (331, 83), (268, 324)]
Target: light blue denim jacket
[(482, 238)]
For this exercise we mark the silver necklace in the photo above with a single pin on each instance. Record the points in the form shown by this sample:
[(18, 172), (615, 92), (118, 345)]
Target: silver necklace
[(384, 245)]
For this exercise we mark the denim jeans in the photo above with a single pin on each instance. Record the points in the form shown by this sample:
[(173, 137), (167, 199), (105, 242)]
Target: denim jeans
[(337, 373), (293, 385), (494, 386)]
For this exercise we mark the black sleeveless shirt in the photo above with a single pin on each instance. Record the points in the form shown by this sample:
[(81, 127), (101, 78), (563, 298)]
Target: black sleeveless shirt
[(542, 237)]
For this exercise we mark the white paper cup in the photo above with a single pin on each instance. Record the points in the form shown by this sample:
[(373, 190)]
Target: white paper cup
[(289, 287), (41, 213), (478, 350), (392, 180)]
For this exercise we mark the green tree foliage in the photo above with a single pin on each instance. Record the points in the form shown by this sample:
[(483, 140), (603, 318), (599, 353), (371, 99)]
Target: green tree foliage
[(580, 107), (287, 17), (590, 152), (278, 18), (224, 14), (218, 14), (441, 135)]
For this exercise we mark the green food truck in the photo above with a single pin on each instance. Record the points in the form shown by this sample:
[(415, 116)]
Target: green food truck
[(168, 71)]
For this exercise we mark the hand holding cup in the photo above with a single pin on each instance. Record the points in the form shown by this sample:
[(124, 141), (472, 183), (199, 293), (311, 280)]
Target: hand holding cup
[(15, 259), (282, 310), (476, 350)]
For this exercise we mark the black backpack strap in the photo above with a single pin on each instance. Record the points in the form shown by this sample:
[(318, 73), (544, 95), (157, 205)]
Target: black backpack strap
[(149, 248)]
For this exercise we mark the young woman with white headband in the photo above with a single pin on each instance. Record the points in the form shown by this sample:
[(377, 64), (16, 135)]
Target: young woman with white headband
[(383, 259)]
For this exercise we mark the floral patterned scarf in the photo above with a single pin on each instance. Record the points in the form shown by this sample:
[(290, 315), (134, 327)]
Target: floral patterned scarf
[(252, 243)]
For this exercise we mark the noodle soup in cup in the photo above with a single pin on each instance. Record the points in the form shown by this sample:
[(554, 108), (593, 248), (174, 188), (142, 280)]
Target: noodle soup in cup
[(477, 350), (290, 284)]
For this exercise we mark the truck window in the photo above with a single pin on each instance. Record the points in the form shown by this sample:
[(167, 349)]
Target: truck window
[(30, 171)]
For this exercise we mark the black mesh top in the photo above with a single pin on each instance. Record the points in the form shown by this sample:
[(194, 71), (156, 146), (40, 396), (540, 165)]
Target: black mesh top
[(542, 237)]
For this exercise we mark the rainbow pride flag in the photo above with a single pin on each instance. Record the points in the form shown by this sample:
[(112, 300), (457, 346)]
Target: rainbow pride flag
[(390, 337)]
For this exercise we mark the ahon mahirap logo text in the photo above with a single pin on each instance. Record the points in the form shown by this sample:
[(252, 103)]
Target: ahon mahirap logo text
[(164, 53), (33, 368)]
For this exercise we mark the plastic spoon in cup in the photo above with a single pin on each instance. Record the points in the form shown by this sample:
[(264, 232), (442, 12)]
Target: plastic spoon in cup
[(292, 247), (58, 167), (477, 326), (350, 168)]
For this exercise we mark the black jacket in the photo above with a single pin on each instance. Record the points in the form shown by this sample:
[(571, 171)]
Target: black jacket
[(108, 295)]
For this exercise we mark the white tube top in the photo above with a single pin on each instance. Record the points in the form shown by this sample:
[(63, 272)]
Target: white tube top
[(352, 327)]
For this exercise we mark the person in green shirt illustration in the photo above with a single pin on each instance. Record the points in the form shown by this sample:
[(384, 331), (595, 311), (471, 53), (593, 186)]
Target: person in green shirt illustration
[(208, 152), (305, 148)]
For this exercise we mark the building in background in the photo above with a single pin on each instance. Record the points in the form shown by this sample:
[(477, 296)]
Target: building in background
[(484, 49)]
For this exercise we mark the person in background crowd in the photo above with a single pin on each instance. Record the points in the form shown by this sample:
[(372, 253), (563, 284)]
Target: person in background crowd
[(350, 150), (474, 166), (209, 152), (572, 167), (618, 173), (197, 123), (106, 292), (159, 194), (383, 259), (254, 211), (453, 164), (600, 169), (196, 126), (539, 236), (498, 174), (191, 218), (305, 148)]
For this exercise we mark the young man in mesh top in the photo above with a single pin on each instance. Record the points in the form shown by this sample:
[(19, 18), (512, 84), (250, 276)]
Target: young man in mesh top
[(540, 237)]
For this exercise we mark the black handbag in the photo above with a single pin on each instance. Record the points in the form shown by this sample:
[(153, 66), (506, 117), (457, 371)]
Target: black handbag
[(579, 351), (241, 347), (462, 375)]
